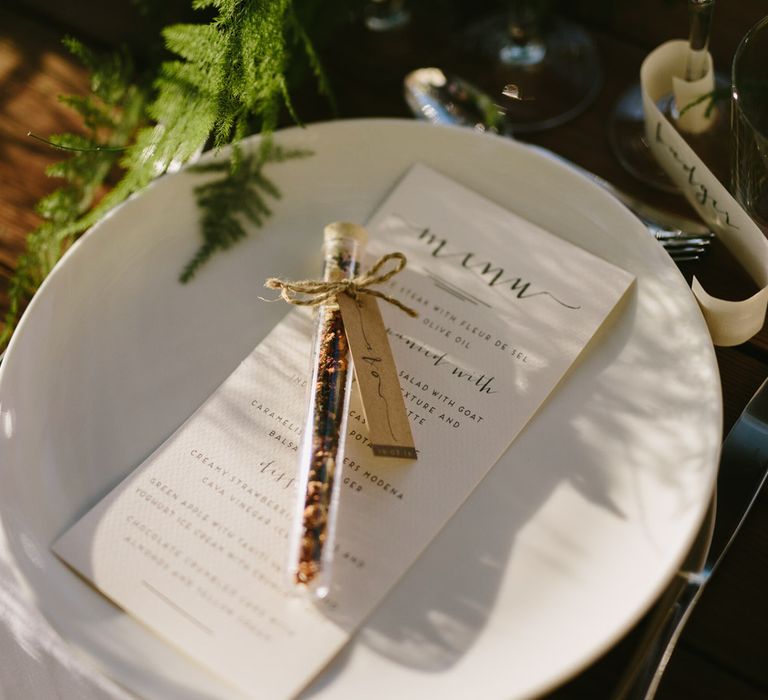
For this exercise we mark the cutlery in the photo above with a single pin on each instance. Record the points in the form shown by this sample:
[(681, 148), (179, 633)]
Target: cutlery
[(443, 99), (742, 473)]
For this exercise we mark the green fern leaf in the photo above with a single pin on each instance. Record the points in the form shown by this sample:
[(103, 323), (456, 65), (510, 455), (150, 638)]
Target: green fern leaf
[(226, 202)]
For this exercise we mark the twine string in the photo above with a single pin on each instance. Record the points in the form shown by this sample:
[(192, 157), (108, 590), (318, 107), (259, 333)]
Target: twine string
[(317, 292)]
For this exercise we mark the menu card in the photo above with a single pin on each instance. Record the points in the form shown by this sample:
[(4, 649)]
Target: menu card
[(194, 542)]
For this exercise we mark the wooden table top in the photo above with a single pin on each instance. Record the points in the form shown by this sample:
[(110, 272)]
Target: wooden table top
[(723, 653)]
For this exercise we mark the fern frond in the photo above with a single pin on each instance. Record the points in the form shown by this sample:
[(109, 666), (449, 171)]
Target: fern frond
[(95, 115), (226, 79), (84, 172), (238, 195)]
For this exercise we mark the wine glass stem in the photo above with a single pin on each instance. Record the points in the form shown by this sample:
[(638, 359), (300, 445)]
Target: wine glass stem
[(525, 45)]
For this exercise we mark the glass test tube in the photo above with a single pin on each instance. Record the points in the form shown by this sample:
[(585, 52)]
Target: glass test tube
[(322, 451)]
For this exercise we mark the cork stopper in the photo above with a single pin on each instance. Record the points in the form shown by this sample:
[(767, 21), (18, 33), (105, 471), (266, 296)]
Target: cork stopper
[(345, 229)]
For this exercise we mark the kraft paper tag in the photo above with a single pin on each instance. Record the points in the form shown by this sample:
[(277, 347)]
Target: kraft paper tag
[(388, 428)]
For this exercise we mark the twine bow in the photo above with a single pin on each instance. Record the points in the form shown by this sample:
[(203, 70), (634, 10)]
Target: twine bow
[(316, 292)]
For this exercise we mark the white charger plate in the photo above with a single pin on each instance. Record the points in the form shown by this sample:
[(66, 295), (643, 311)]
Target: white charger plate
[(557, 553)]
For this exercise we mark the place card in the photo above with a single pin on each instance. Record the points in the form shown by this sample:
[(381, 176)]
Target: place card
[(389, 429), (194, 543), (730, 322)]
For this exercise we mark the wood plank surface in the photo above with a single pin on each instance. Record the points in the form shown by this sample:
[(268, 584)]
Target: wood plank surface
[(34, 70)]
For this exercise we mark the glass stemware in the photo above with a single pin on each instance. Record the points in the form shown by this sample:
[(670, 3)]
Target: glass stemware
[(386, 15), (547, 65), (749, 168)]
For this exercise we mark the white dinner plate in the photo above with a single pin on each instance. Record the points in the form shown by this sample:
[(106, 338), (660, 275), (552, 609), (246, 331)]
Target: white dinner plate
[(557, 553)]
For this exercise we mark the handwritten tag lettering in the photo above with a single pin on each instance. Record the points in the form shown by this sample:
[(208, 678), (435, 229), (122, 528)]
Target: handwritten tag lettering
[(388, 428)]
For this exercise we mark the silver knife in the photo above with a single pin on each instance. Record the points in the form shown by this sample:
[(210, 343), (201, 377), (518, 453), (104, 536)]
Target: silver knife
[(742, 474)]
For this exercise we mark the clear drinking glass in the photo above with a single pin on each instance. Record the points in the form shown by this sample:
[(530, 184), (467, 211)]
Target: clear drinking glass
[(749, 121)]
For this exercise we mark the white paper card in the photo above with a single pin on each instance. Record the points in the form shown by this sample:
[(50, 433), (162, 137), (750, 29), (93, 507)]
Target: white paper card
[(193, 542)]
